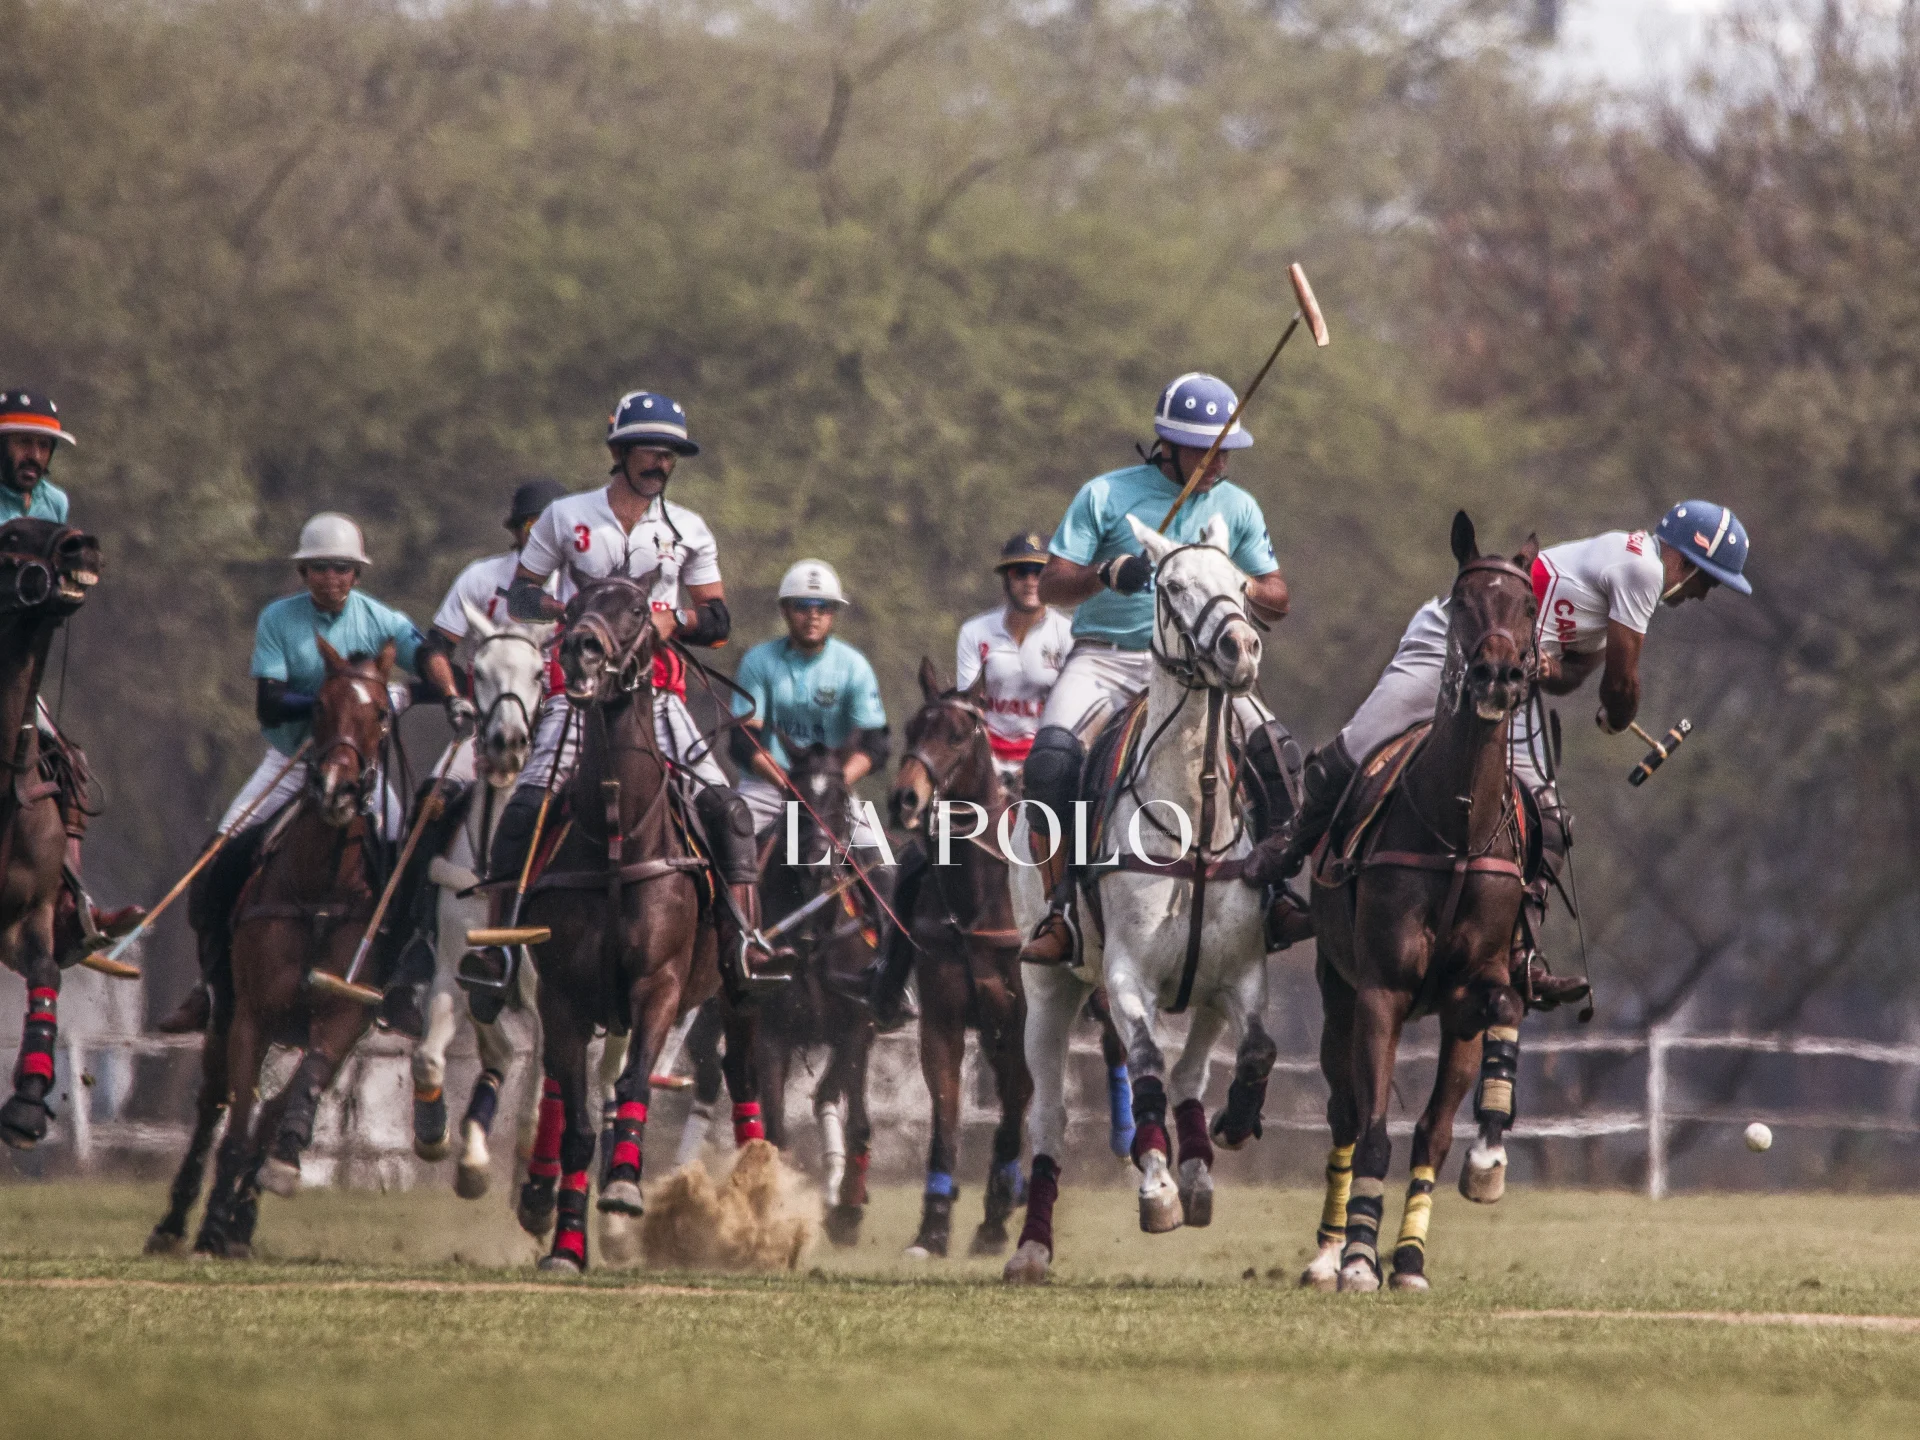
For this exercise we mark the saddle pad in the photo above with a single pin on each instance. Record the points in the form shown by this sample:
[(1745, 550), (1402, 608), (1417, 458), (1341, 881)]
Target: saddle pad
[(1364, 803)]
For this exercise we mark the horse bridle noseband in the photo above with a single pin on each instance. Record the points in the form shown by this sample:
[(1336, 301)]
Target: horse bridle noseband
[(938, 779), (623, 662), (486, 719), (369, 769), (1186, 668)]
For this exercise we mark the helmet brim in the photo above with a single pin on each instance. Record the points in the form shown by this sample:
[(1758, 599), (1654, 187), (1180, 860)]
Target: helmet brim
[(46, 431), (1732, 579), (1199, 437), (653, 440)]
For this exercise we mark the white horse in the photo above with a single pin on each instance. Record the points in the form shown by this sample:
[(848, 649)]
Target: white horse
[(508, 664), (1207, 655)]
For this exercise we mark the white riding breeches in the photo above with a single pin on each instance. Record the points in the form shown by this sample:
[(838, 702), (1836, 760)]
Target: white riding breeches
[(769, 806), (1096, 683), (276, 784), (673, 727)]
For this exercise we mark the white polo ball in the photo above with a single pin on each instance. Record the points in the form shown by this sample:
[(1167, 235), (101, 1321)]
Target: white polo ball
[(1759, 1137)]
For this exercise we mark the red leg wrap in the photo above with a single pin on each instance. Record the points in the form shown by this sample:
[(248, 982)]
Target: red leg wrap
[(1190, 1121), (37, 1035), (1042, 1190), (853, 1190), (546, 1140), (570, 1227), (1150, 1135), (746, 1123)]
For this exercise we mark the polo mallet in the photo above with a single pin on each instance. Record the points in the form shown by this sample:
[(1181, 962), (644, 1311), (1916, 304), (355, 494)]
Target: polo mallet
[(108, 962), (1309, 311), (1662, 748), (347, 987)]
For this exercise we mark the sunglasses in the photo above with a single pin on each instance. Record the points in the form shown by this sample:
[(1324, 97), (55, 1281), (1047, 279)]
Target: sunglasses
[(1025, 572), (332, 567), (809, 607)]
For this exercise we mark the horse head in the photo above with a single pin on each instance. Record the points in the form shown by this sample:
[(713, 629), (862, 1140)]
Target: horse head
[(509, 666), (1202, 632), (947, 754), (46, 564), (1491, 660), (819, 772), (606, 648), (351, 717)]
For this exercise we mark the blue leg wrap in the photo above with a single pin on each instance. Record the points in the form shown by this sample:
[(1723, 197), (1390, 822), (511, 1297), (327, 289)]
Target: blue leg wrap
[(1016, 1182), (940, 1183), (1120, 1107)]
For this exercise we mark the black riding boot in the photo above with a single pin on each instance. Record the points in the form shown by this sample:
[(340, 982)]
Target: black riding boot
[(729, 826), (210, 901), (1328, 772), (406, 950), (1539, 987), (887, 992)]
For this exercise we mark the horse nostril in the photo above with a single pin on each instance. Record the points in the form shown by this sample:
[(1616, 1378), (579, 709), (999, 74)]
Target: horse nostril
[(1229, 649), (1481, 672)]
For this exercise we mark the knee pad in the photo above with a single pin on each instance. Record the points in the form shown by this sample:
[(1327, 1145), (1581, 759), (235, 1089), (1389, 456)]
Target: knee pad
[(514, 834), (1053, 769), (1274, 757), (729, 826)]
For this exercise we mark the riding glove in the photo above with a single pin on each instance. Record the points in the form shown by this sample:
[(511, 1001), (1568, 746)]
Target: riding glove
[(1128, 574)]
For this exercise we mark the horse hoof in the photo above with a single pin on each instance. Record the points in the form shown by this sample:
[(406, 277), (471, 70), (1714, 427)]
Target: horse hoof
[(1324, 1272), (165, 1242), (1483, 1179), (432, 1151), (622, 1197), (470, 1181), (843, 1224), (1196, 1192), (535, 1221), (279, 1177), (1358, 1277), (1029, 1265), (988, 1240), (1160, 1209), (1409, 1281), (619, 1240), (559, 1265), (23, 1122), (918, 1252)]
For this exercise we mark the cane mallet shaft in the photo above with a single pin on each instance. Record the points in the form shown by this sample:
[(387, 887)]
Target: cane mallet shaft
[(1309, 311), (121, 945), (1662, 748), (346, 986), (514, 933)]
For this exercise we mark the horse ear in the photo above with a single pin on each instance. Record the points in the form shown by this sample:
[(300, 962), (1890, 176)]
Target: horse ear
[(1156, 545), (1529, 552), (929, 680), (1464, 546), (477, 622), (334, 661), (1216, 535), (383, 662), (977, 691)]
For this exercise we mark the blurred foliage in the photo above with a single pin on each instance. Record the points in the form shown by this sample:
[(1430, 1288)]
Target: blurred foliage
[(917, 270)]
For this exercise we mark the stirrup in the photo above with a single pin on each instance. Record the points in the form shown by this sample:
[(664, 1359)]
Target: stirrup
[(749, 982), (1064, 917)]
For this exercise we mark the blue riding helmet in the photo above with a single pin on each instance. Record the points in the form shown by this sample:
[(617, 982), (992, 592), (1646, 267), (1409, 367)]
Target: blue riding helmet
[(1193, 408), (645, 418), (1712, 537)]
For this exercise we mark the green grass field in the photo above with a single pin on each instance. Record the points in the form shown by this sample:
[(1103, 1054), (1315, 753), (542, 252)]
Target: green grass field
[(325, 1336)]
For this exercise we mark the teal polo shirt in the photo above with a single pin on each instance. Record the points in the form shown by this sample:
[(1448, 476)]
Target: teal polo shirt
[(46, 501), (286, 647), (818, 699)]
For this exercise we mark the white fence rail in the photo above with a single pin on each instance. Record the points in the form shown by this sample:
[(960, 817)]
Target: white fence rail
[(363, 1133)]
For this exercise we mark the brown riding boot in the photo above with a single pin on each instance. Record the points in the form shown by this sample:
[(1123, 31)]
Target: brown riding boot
[(1540, 987), (191, 1015), (1053, 939), (749, 961)]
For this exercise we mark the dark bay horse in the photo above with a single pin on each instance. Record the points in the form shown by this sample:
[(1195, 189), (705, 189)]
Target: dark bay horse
[(634, 945), (1420, 922), (303, 909), (46, 570), (968, 967)]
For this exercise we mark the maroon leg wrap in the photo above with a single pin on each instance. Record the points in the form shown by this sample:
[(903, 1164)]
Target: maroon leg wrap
[(1190, 1121), (1042, 1190), (570, 1229), (746, 1123), (545, 1163), (628, 1123)]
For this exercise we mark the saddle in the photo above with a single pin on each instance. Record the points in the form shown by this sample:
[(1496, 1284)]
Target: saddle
[(1351, 843), (682, 816)]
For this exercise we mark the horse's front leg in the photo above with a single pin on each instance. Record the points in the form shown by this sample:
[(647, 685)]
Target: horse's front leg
[(1498, 1010), (1054, 997), (1119, 1081), (565, 1062), (429, 1066), (1378, 1016), (494, 1040), (1189, 1086), (332, 1033), (654, 1001), (1002, 1018), (226, 1223), (943, 1042), (842, 1093), (1433, 1138), (1130, 994), (23, 1119), (703, 1049), (1336, 1065), (169, 1236), (741, 1067)]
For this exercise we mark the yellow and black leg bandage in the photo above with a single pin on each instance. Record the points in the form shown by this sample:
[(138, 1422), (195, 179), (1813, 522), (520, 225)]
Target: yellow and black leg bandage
[(1333, 1214), (1364, 1208), (1410, 1250), (1499, 1060)]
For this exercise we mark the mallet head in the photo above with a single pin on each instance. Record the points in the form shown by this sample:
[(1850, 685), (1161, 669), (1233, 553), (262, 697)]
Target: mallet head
[(1309, 307)]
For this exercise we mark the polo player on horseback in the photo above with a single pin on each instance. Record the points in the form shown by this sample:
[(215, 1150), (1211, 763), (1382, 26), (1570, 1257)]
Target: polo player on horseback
[(1596, 599), (1015, 652), (807, 688), (288, 671), (1094, 563), (629, 527), (30, 432)]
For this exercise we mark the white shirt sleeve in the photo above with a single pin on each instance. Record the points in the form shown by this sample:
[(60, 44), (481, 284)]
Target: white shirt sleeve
[(967, 659), (545, 550), (475, 585), (1633, 590), (702, 565)]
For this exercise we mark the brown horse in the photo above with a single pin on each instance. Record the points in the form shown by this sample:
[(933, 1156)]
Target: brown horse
[(303, 909), (968, 967), (46, 570), (633, 944), (1420, 922)]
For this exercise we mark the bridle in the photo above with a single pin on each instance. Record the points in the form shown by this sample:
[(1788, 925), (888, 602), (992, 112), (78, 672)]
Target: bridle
[(506, 692), (939, 779), (1194, 639), (1528, 649), (367, 768), (623, 661)]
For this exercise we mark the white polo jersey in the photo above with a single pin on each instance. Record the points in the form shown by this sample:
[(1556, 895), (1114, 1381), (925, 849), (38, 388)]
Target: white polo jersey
[(479, 585), (1019, 674), (580, 535), (1584, 584)]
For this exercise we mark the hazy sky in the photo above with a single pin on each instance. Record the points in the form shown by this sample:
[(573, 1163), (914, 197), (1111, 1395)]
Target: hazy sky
[(1627, 41)]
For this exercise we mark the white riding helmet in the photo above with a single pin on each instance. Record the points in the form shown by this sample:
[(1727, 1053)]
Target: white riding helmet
[(332, 536), (812, 580)]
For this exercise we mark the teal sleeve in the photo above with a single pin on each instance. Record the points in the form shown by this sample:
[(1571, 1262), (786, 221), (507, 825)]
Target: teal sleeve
[(406, 639), (865, 710), (1253, 547), (750, 680), (58, 503), (269, 652), (1078, 538)]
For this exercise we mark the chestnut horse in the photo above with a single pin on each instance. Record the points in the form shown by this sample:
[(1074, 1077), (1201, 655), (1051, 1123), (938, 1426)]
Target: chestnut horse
[(304, 908), (46, 570), (633, 944), (1421, 923)]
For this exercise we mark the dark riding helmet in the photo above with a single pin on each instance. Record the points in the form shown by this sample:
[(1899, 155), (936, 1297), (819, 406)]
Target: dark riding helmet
[(531, 497), (24, 412), (645, 418), (1026, 548), (1712, 537)]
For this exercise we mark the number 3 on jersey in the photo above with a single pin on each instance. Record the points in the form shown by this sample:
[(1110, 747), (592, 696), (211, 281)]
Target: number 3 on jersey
[(582, 539)]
